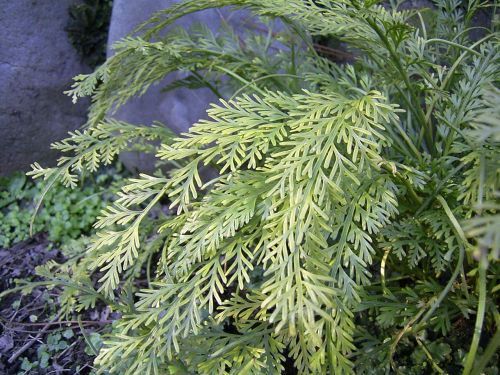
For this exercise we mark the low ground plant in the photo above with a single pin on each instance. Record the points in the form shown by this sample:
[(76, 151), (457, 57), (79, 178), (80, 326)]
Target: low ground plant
[(67, 214)]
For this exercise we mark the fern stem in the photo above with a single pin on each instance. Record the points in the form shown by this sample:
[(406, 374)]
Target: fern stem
[(416, 106), (470, 50), (382, 272), (445, 291), (469, 362), (49, 283), (148, 269), (488, 353), (429, 357), (260, 79), (399, 336), (438, 188), (86, 337), (208, 84), (409, 141), (457, 269), (241, 79), (447, 80), (414, 196)]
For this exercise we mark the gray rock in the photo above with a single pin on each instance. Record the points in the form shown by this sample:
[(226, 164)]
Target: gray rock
[(37, 63)]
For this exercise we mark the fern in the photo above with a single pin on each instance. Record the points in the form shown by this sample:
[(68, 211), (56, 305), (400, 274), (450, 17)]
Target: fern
[(353, 208)]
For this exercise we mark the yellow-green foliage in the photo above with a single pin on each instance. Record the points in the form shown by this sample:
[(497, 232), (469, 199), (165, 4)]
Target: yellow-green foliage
[(335, 231)]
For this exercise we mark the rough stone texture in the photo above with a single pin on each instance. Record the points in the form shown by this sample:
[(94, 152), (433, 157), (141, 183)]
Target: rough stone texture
[(179, 108), (37, 63)]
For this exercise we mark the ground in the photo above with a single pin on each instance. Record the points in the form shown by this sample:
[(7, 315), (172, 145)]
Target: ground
[(31, 342)]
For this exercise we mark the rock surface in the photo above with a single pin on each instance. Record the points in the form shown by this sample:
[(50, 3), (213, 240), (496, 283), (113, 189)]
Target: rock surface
[(37, 63)]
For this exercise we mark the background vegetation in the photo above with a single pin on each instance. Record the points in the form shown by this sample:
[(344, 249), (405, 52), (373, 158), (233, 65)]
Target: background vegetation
[(88, 29)]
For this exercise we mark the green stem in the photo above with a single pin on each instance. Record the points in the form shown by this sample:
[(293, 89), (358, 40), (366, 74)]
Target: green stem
[(407, 328), (260, 79), (414, 196), (438, 188), (86, 337), (52, 282), (447, 80), (457, 269), (429, 357), (488, 353), (407, 139), (445, 291), (241, 79), (382, 272), (207, 83), (148, 269), (402, 132), (470, 50), (416, 105), (481, 307), (412, 192)]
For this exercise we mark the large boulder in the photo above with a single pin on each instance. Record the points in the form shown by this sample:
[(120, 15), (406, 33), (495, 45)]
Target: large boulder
[(37, 63)]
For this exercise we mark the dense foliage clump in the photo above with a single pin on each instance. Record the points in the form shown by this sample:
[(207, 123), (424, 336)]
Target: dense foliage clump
[(353, 223), (67, 213), (87, 29)]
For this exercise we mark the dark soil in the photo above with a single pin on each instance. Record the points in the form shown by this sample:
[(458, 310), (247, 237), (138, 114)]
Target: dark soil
[(28, 321)]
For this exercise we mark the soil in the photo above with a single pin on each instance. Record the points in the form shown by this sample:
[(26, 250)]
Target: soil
[(28, 321)]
